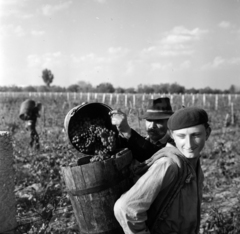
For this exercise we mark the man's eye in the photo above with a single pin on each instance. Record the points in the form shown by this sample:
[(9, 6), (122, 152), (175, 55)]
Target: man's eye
[(196, 135), (181, 136)]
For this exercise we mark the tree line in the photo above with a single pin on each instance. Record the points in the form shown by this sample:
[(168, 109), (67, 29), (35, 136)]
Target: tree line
[(105, 87), (85, 87)]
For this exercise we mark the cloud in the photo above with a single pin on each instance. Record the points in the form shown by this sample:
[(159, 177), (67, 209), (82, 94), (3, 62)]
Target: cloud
[(51, 9), (185, 65), (224, 24), (19, 31), (118, 52), (37, 33), (27, 16), (219, 62), (92, 58), (7, 30), (159, 66), (178, 41), (12, 8), (45, 60), (8, 3), (8, 12), (101, 1), (111, 56)]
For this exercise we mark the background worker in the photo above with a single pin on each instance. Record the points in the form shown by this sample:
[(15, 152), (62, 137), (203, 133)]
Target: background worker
[(138, 209), (156, 117), (29, 112)]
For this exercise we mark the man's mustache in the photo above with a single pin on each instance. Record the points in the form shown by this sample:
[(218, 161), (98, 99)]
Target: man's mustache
[(152, 130)]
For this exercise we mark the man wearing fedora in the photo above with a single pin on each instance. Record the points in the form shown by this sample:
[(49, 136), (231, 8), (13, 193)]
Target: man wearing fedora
[(156, 116)]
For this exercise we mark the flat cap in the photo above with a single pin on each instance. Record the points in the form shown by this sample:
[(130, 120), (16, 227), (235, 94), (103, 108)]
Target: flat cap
[(187, 117)]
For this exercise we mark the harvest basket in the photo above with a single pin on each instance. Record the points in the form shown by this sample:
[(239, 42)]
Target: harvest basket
[(93, 189), (26, 109), (94, 186)]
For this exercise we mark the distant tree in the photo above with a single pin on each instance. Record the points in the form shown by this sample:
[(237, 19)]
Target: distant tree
[(176, 88), (130, 90), (119, 90), (140, 88), (43, 88), (105, 88), (29, 89), (85, 87), (164, 88), (47, 77), (14, 88), (73, 88), (192, 90), (232, 89), (58, 89), (145, 89), (206, 90)]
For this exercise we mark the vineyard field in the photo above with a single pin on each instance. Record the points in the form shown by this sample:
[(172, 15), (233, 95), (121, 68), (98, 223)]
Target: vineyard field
[(43, 205)]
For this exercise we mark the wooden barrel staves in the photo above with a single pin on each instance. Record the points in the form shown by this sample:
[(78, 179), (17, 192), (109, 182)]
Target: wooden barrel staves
[(93, 189), (7, 198)]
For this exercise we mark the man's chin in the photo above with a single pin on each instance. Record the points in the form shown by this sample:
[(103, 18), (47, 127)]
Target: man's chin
[(154, 137)]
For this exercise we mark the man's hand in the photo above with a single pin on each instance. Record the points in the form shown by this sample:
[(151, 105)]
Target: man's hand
[(119, 119)]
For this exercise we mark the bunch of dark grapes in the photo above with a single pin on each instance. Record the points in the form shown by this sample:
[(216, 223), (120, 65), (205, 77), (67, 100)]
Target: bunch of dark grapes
[(90, 136)]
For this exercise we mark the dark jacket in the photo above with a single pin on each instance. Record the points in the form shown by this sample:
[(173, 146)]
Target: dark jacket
[(142, 148)]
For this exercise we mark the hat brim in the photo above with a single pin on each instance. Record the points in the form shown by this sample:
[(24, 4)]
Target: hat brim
[(155, 116)]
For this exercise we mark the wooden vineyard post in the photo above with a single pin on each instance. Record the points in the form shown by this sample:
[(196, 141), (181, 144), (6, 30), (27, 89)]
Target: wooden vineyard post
[(183, 99), (103, 98), (126, 100), (96, 97), (117, 99), (193, 99), (110, 99), (229, 100), (171, 99), (134, 100), (7, 198), (216, 102), (232, 113), (88, 97), (204, 99)]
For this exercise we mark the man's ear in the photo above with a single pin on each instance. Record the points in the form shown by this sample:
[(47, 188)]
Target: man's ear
[(208, 132)]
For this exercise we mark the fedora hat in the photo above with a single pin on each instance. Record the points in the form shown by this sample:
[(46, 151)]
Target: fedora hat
[(159, 108)]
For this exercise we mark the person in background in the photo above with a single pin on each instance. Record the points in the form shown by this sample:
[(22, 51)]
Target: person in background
[(29, 112), (156, 117), (137, 210)]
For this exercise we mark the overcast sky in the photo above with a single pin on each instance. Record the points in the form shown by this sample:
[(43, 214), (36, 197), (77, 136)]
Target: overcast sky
[(195, 43)]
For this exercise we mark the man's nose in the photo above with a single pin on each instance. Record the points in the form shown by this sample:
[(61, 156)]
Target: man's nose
[(189, 142)]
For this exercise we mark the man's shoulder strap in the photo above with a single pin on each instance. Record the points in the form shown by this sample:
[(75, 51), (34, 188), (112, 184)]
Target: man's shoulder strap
[(185, 176)]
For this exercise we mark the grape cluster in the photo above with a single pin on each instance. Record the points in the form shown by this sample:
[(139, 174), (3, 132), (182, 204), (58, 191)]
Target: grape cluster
[(90, 136)]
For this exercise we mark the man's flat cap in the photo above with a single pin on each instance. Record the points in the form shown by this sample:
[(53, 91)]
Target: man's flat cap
[(187, 117)]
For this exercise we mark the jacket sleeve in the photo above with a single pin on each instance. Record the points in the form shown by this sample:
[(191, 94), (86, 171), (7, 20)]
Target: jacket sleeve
[(141, 148)]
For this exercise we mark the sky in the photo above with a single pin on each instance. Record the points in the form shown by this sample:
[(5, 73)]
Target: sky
[(195, 43)]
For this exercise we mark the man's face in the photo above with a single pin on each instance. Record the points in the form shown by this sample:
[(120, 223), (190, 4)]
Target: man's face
[(190, 141), (156, 129)]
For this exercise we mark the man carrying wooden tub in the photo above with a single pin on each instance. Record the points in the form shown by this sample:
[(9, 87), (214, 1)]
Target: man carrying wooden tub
[(167, 198)]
